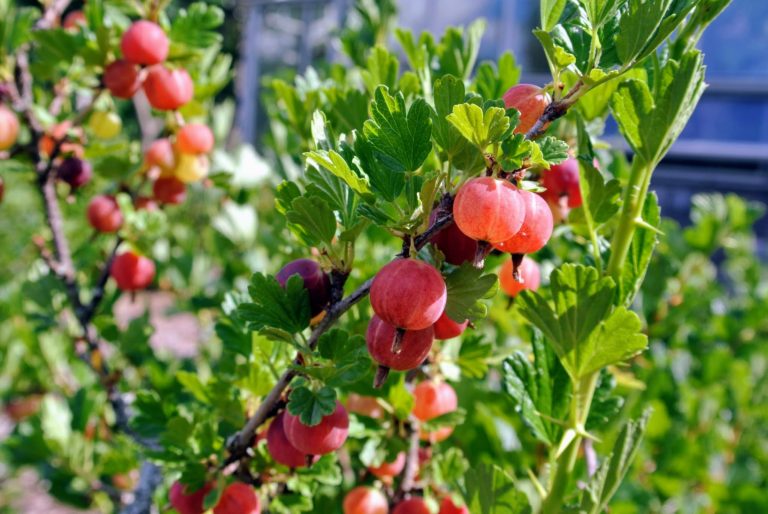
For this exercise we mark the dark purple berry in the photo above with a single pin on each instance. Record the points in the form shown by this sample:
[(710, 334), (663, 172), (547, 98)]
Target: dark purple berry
[(75, 172), (316, 282)]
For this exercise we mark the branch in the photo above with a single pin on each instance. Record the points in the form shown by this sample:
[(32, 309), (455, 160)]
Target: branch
[(411, 462), (149, 479)]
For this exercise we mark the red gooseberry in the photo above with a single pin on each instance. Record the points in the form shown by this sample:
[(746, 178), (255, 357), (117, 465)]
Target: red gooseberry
[(280, 448), (412, 506), (145, 203), (132, 271), (563, 180), (446, 328), (74, 20), (75, 172), (325, 437), (188, 502), (389, 469), (169, 191), (364, 405), (453, 243), (144, 43), (194, 138), (536, 229), (528, 273), (104, 214), (448, 507), (431, 400), (316, 282), (122, 79), (530, 101), (365, 500), (238, 498), (9, 128), (413, 348), (408, 294), (160, 154), (168, 89), (488, 209)]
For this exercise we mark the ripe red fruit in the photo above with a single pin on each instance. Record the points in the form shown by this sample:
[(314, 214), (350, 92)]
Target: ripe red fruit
[(446, 328), (448, 507), (433, 399), (122, 79), (455, 245), (528, 271), (280, 448), (238, 498), (414, 347), (531, 101), (412, 506), (563, 179), (364, 405), (132, 271), (167, 89), (160, 154), (536, 229), (169, 190), (194, 138), (408, 294), (389, 469), (325, 437), (75, 172), (365, 500), (145, 203), (145, 43), (9, 128), (488, 209), (188, 502), (74, 20), (104, 214), (316, 282)]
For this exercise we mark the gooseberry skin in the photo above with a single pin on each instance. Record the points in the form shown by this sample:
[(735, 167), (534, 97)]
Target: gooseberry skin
[(74, 20), (169, 191), (75, 172), (325, 437), (448, 507), (389, 469), (530, 101), (453, 243), (238, 498), (446, 328), (433, 399), (145, 203), (414, 349), (167, 89), (105, 125), (536, 229), (160, 154), (412, 506), (132, 271), (191, 168), (316, 282), (194, 138), (530, 277), (188, 503), (9, 128), (563, 179), (122, 79), (408, 294), (144, 43), (364, 405), (280, 448), (365, 500), (488, 209), (104, 214)]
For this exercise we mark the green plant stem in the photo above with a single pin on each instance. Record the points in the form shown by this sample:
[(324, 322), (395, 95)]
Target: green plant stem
[(631, 211), (581, 401)]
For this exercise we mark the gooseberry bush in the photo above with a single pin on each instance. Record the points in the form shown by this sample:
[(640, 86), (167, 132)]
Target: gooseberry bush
[(374, 371)]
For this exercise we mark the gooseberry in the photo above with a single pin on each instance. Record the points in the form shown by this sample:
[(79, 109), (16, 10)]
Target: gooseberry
[(9, 128), (238, 498), (105, 125), (168, 89), (188, 502), (389, 469), (448, 507), (316, 282), (169, 191), (325, 437), (446, 328), (132, 271), (144, 43), (104, 214), (528, 273), (454, 244), (280, 448), (75, 172), (122, 79), (530, 101), (536, 229), (488, 209), (191, 168), (410, 352), (364, 405), (431, 400), (160, 154), (563, 179), (412, 506), (365, 500), (194, 138)]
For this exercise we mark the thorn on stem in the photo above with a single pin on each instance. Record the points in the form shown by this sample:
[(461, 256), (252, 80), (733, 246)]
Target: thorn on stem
[(381, 376)]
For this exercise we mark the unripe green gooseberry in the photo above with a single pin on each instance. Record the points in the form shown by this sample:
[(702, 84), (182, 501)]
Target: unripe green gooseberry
[(105, 125)]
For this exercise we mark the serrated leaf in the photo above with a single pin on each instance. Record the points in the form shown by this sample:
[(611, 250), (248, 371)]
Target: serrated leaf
[(336, 193), (474, 355), (600, 198), (553, 150), (336, 164), (478, 127), (550, 11), (381, 69), (311, 220), (401, 399), (491, 490), (557, 57), (311, 406), (456, 54), (192, 383), (385, 182), (272, 306), (450, 419), (197, 26), (285, 193), (640, 251), (606, 403), (466, 287), (492, 80), (401, 136), (618, 338), (448, 466), (515, 150), (449, 91)]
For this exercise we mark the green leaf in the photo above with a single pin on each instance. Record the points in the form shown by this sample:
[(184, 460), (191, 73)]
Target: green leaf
[(550, 11), (401, 136), (651, 123), (349, 356), (311, 220), (450, 419), (640, 251), (381, 69), (197, 26), (466, 287), (311, 406), (53, 48), (192, 383), (557, 57), (553, 150), (617, 339), (515, 150), (285, 193), (385, 182), (401, 399), (272, 306), (448, 466), (449, 91), (606, 402), (419, 56), (478, 127), (349, 110), (606, 481), (334, 191), (474, 354), (493, 80), (491, 490), (600, 198), (541, 389), (335, 163), (456, 54)]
